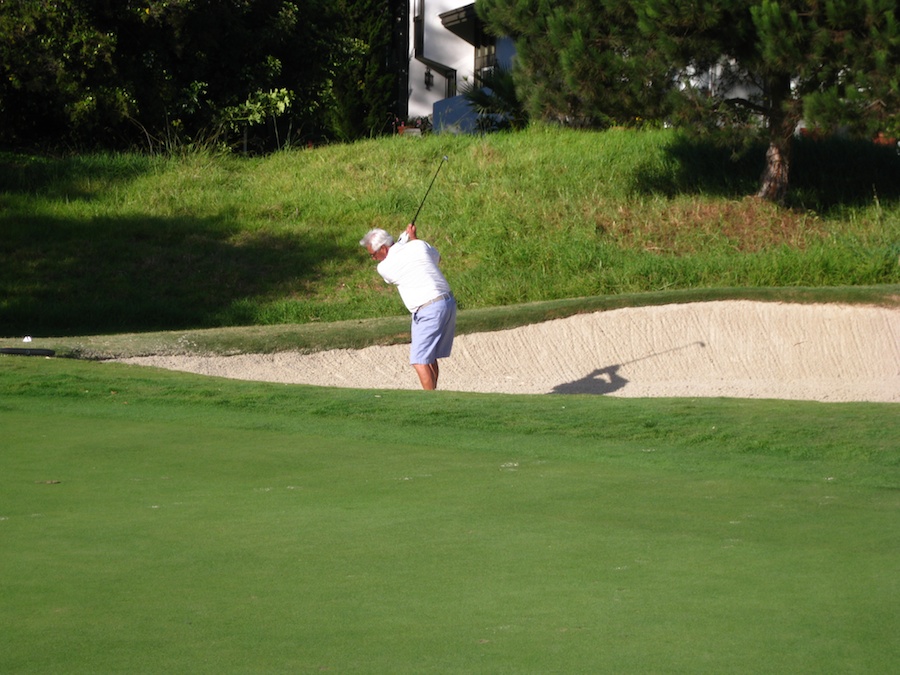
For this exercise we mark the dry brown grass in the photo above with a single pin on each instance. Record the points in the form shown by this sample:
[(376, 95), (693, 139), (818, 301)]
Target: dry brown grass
[(689, 225)]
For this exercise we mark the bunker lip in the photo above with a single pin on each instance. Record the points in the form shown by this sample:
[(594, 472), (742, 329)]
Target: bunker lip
[(738, 349)]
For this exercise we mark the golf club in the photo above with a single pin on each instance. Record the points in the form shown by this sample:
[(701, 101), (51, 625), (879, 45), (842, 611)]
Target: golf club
[(443, 159)]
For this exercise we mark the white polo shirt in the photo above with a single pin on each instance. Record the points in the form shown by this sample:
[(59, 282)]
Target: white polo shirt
[(412, 266)]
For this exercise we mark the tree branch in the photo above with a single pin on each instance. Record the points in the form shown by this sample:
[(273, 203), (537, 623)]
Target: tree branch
[(744, 103)]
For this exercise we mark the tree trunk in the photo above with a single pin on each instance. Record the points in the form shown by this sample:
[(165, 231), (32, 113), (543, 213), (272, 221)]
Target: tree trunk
[(774, 180), (773, 184)]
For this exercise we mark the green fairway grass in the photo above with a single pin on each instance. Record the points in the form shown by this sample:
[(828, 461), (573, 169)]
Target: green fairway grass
[(163, 522)]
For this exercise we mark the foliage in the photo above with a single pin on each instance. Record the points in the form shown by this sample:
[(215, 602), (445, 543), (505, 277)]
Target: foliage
[(576, 63), (93, 73), (256, 109), (729, 70), (57, 72), (540, 84), (493, 97), (363, 89)]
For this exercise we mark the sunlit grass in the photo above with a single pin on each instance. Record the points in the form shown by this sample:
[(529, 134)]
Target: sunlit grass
[(127, 243), (157, 521)]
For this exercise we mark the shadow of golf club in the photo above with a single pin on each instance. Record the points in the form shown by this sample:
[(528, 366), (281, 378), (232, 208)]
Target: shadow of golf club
[(607, 380)]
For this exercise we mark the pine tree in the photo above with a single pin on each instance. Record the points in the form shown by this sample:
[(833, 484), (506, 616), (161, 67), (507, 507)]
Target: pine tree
[(834, 63), (581, 62), (738, 67)]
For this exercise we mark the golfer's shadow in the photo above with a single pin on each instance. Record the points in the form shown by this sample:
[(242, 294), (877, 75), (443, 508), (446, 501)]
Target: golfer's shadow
[(601, 381)]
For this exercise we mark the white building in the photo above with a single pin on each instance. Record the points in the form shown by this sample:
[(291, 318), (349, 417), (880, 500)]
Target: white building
[(447, 46)]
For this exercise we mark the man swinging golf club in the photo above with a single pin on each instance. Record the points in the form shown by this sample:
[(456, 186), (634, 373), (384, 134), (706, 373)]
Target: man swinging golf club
[(411, 264)]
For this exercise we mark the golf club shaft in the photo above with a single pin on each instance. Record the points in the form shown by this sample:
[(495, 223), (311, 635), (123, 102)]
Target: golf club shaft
[(443, 159)]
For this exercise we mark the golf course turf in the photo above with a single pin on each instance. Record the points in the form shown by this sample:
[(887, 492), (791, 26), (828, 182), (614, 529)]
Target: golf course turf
[(163, 522), (160, 522)]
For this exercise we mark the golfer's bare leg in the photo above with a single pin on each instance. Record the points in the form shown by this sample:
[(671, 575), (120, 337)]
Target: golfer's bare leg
[(427, 373)]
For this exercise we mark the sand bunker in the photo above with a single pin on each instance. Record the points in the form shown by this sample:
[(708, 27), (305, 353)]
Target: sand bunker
[(735, 349)]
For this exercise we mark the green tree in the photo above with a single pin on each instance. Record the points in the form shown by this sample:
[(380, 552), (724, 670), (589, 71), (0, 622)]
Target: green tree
[(493, 96), (365, 71), (581, 62), (56, 73), (830, 63), (737, 69), (200, 67), (102, 73), (537, 74)]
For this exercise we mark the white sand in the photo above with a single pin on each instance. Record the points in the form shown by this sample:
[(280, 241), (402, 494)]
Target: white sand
[(734, 349)]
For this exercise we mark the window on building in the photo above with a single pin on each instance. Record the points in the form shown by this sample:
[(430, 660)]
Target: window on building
[(485, 56)]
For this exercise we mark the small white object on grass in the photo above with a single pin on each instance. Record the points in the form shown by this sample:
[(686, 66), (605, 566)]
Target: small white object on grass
[(27, 338)]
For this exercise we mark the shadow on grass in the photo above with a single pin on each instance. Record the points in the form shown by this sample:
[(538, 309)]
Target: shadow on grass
[(825, 174), (69, 277), (78, 177)]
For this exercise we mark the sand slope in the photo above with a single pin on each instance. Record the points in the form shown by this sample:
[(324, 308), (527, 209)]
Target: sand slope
[(735, 349)]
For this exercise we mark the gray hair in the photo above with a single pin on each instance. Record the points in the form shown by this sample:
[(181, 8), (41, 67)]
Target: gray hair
[(376, 238)]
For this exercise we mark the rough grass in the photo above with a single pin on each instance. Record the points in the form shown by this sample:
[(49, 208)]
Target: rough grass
[(125, 243)]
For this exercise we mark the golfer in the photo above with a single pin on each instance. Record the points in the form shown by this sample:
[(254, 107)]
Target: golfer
[(411, 264)]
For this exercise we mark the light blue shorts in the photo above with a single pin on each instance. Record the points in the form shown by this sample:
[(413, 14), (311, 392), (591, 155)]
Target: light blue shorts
[(433, 328)]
